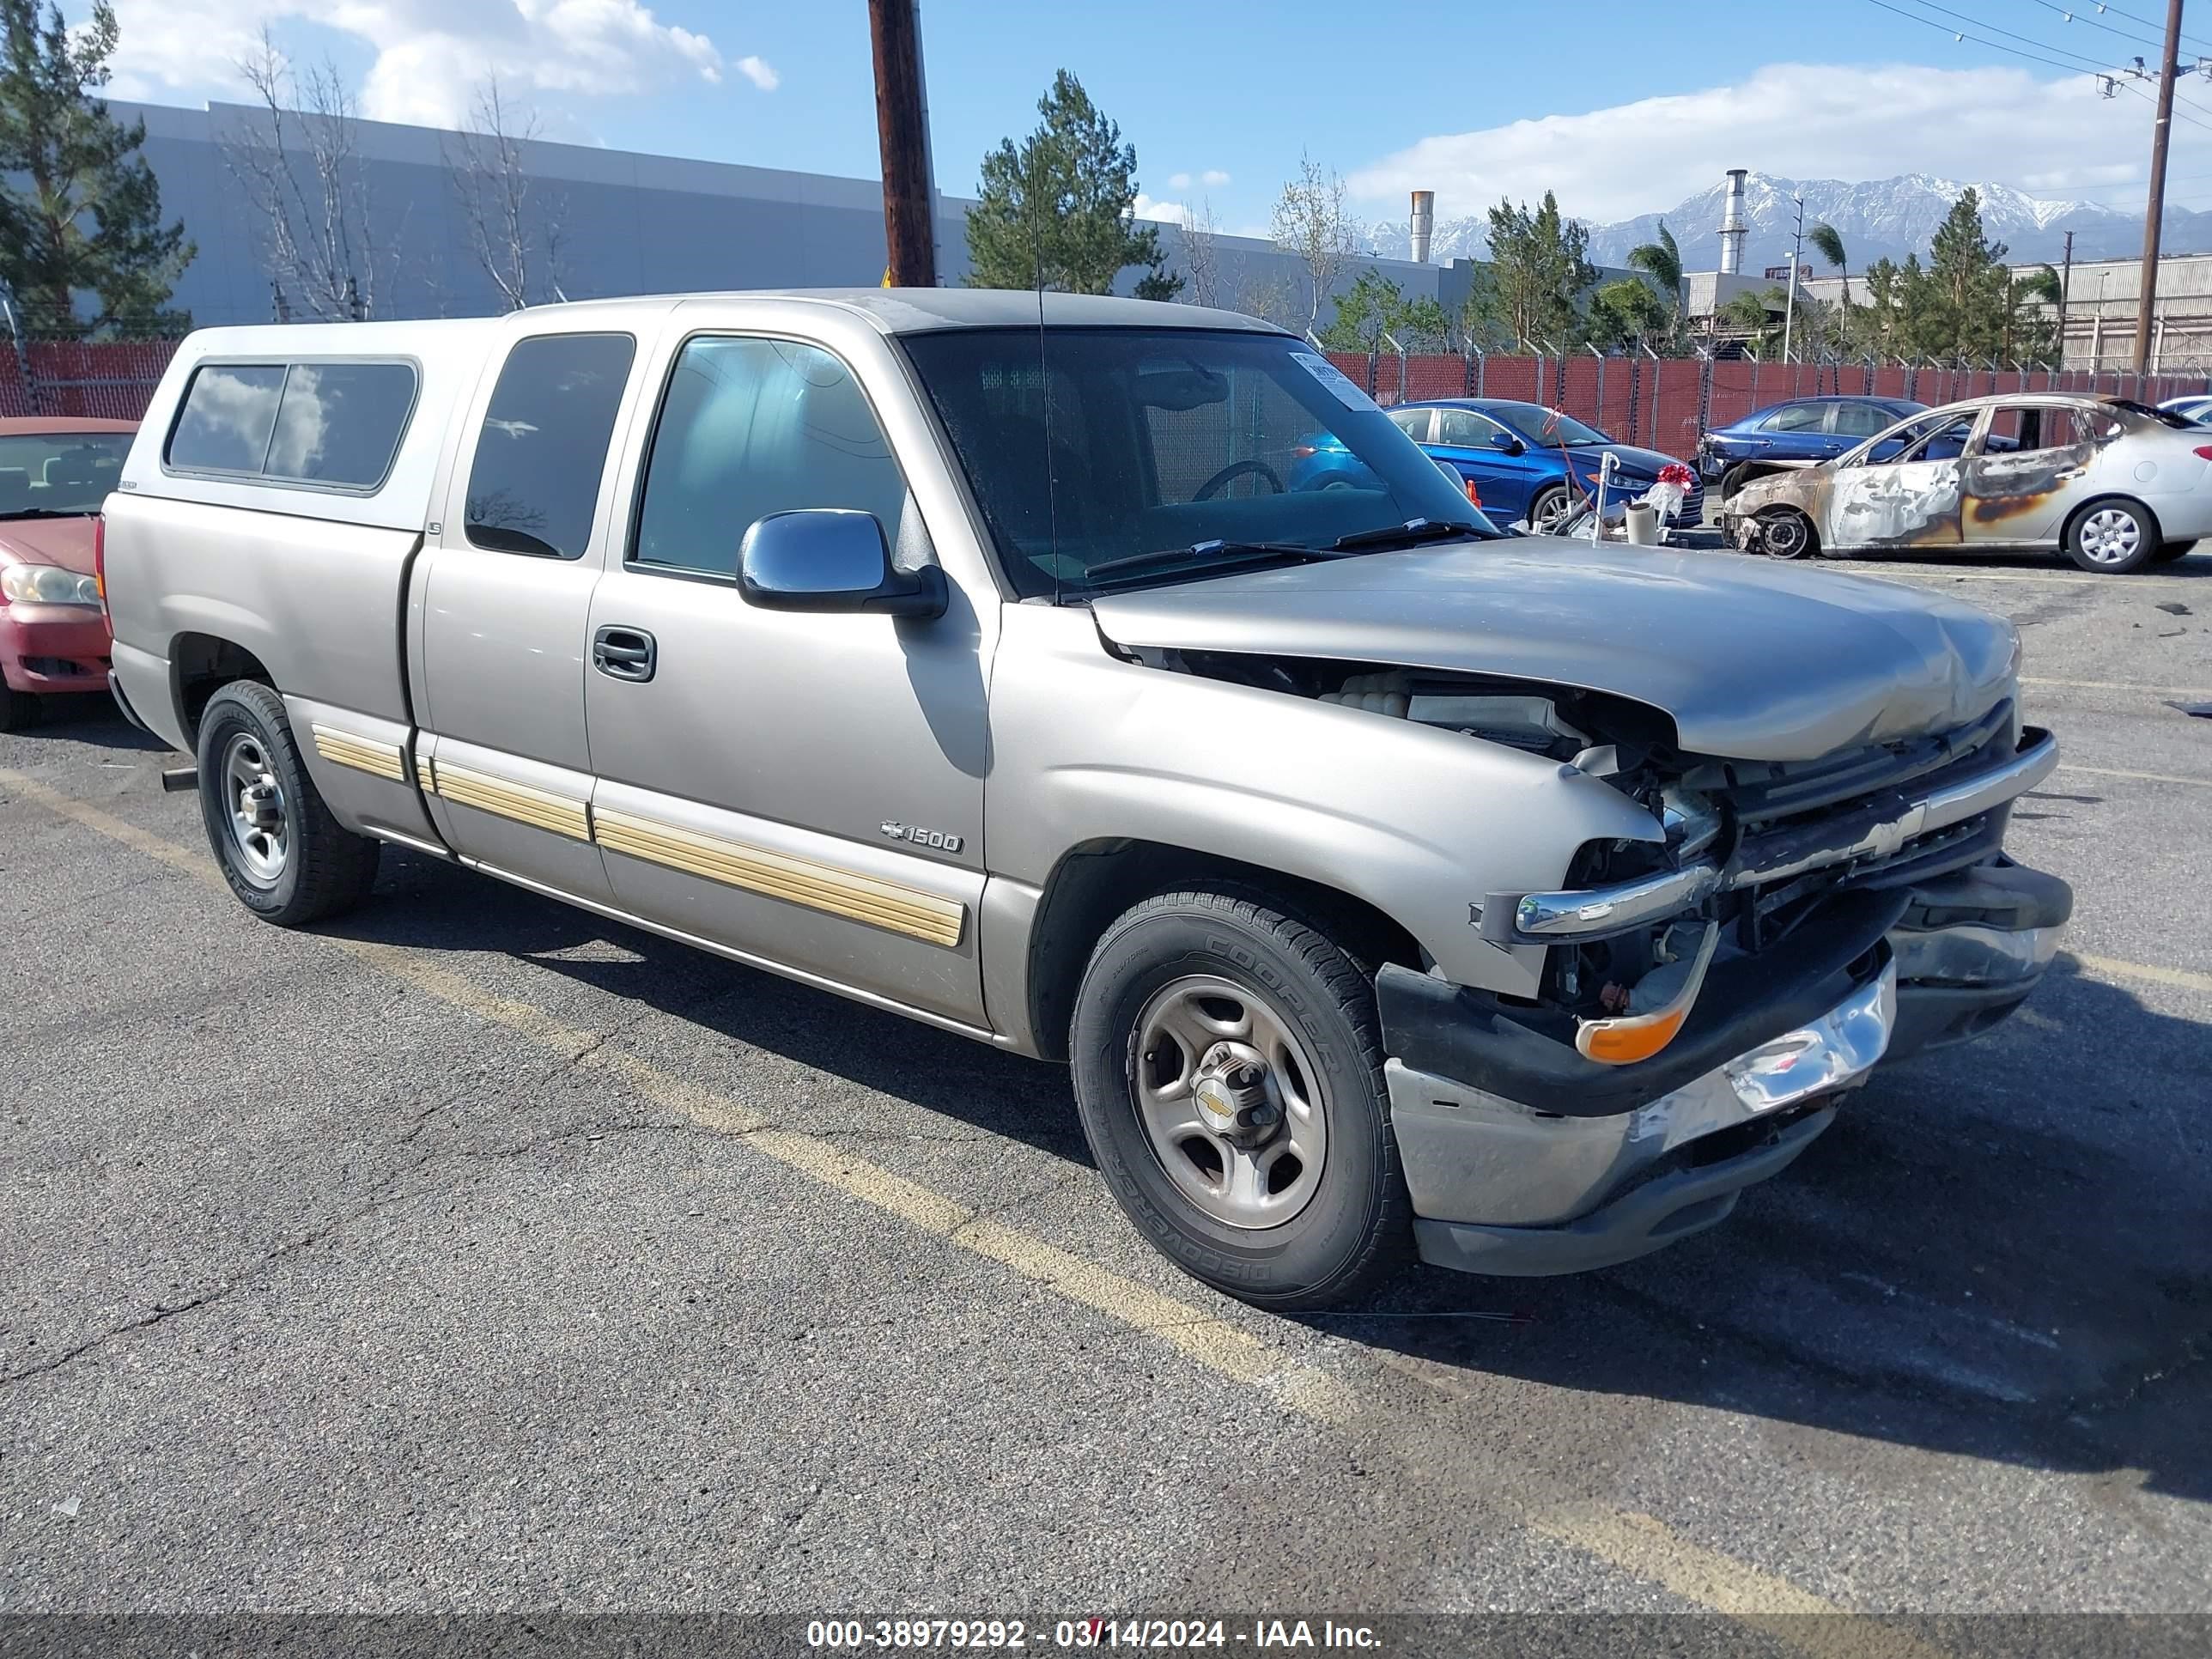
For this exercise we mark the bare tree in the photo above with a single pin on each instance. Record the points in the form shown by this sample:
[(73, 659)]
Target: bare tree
[(1202, 256), (515, 222), (308, 189), (1310, 221)]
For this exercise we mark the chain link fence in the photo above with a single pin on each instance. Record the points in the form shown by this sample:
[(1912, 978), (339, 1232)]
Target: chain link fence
[(48, 368)]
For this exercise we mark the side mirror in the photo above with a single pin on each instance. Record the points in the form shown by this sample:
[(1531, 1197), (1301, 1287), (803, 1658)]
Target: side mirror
[(831, 558), (1507, 442)]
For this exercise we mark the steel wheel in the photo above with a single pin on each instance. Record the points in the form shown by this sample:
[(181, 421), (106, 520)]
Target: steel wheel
[(259, 830), (1233, 1103), (2110, 536), (1784, 533)]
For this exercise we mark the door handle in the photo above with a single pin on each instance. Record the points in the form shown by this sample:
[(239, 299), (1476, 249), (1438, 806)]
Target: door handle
[(624, 654)]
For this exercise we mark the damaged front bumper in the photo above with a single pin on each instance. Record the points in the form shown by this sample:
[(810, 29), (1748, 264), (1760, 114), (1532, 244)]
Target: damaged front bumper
[(1523, 1157)]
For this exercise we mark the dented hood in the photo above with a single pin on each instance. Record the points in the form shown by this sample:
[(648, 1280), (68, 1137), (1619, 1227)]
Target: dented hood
[(1751, 661)]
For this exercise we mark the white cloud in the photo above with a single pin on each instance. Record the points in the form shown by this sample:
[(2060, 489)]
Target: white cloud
[(1212, 176), (430, 54), (1167, 213), (1796, 120), (1179, 181)]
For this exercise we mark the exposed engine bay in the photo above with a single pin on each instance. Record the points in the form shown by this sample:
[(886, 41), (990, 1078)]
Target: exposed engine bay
[(1779, 841)]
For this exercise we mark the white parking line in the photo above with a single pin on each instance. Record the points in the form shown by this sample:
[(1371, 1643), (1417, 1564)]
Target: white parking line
[(2119, 685), (2141, 777)]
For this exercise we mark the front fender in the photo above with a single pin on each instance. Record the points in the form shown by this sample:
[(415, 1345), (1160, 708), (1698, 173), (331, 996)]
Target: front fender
[(1419, 823)]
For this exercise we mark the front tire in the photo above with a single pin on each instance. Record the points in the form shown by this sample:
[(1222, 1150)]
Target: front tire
[(1229, 1073), (286, 857), (2112, 537), (1548, 510), (1786, 533)]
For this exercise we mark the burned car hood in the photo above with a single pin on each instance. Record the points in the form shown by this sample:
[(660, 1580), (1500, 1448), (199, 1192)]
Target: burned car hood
[(1751, 661)]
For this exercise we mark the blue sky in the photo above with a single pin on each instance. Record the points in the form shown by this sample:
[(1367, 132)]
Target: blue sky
[(1625, 106)]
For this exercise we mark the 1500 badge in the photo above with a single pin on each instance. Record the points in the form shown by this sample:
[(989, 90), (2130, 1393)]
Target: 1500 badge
[(921, 837)]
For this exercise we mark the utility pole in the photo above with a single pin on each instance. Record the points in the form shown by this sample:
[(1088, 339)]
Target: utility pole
[(2154, 211), (1796, 256), (2065, 286), (902, 128)]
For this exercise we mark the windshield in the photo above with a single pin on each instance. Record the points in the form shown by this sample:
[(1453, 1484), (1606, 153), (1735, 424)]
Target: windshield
[(58, 474), (1148, 440), (1541, 428)]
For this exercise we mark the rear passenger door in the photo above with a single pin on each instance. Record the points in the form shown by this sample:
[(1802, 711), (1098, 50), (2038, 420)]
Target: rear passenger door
[(2027, 467), (804, 788), (504, 608)]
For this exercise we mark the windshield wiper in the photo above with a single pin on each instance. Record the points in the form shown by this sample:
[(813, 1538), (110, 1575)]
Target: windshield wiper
[(1412, 533), (1167, 558)]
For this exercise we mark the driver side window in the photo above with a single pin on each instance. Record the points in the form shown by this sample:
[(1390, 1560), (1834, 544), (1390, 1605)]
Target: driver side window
[(1466, 429), (1933, 439)]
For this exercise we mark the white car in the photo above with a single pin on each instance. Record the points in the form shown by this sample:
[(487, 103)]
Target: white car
[(2115, 485)]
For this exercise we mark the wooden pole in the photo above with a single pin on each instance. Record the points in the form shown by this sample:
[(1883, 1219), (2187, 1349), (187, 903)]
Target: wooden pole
[(909, 235), (2154, 209)]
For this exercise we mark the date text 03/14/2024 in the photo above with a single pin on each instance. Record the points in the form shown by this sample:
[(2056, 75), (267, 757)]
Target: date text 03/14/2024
[(1010, 1634)]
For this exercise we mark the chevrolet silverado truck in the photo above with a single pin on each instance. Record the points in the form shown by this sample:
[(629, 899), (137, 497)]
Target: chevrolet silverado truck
[(1391, 886)]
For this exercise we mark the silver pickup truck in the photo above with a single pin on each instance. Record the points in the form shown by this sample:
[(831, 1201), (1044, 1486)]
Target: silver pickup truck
[(1391, 884)]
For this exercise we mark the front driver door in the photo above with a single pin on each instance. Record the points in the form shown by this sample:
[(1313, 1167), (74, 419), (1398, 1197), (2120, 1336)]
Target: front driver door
[(1912, 502), (805, 789), (1471, 443)]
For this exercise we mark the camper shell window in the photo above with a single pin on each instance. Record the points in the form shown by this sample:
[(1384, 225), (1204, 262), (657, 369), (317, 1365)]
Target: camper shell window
[(321, 425)]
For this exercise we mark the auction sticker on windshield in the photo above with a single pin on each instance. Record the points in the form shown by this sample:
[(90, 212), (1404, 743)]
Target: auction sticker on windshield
[(1347, 391)]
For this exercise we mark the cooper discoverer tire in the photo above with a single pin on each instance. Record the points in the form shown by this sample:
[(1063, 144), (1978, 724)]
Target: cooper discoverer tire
[(1317, 1213), (288, 859)]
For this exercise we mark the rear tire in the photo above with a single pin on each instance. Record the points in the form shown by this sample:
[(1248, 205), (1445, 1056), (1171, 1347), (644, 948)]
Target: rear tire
[(1315, 1215), (2112, 537), (17, 709), (288, 859), (2171, 551)]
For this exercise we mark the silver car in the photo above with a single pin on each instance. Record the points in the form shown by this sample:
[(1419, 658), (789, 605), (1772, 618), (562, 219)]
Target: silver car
[(1392, 886), (2116, 485)]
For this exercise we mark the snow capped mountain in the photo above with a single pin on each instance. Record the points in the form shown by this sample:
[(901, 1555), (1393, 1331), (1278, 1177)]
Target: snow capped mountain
[(1890, 218)]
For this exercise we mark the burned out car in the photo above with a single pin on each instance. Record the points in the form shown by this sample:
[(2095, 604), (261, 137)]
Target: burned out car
[(2116, 485), (1390, 884)]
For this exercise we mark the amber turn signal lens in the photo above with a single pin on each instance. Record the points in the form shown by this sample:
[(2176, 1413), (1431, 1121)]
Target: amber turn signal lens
[(1622, 1042)]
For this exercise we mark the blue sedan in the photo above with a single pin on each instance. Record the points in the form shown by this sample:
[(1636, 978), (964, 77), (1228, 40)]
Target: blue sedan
[(1802, 429), (1524, 460)]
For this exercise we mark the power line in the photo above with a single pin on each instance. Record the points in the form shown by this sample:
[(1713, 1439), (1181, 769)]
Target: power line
[(2095, 66), (2072, 15), (2149, 23), (2122, 79)]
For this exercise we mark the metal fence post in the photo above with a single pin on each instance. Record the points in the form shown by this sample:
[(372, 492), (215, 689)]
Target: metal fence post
[(1658, 376), (1635, 395), (1704, 390), (1600, 356), (1481, 369), (22, 355)]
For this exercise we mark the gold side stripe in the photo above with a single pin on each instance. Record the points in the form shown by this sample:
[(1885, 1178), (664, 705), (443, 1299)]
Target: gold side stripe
[(425, 773), (363, 754), (885, 904), (561, 814)]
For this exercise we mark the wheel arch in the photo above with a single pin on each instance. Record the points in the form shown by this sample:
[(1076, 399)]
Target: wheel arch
[(1096, 881), (201, 665)]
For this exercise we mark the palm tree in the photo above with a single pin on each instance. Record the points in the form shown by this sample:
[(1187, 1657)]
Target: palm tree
[(1662, 261), (1830, 246)]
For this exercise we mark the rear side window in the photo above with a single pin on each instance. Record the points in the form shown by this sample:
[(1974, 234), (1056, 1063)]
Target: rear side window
[(542, 450), (1797, 417), (335, 424), (753, 427)]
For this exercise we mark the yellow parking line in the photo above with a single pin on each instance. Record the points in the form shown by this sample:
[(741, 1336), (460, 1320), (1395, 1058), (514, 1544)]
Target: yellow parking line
[(1636, 1543), (1653, 1551), (2119, 685), (2113, 968), (2141, 777)]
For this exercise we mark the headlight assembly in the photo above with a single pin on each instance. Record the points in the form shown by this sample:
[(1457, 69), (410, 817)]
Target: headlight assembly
[(47, 584)]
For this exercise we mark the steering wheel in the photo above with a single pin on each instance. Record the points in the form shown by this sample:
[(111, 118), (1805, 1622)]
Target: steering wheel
[(1234, 470)]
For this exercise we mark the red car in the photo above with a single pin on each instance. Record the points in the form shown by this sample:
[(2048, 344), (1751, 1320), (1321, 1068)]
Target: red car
[(55, 472)]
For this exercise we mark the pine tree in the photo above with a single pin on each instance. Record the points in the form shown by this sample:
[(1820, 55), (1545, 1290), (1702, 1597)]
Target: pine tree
[(80, 211), (1056, 211), (1542, 266)]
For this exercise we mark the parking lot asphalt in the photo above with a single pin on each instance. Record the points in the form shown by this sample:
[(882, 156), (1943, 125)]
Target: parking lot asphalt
[(473, 1254)]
